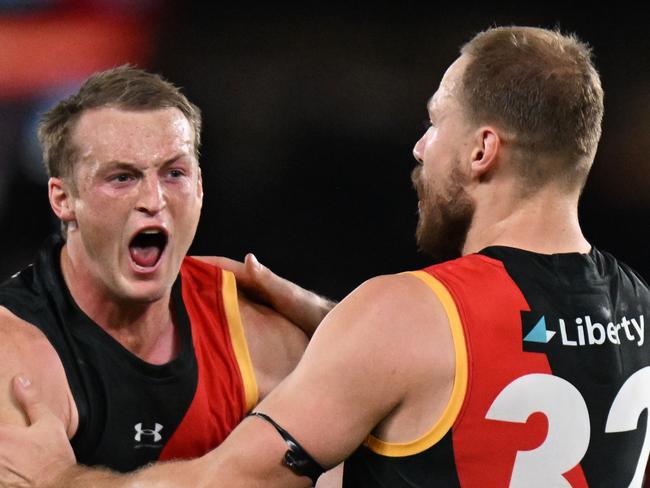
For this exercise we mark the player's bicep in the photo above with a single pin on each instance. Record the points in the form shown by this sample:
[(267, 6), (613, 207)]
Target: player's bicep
[(275, 344), (347, 381), (15, 351), (25, 350)]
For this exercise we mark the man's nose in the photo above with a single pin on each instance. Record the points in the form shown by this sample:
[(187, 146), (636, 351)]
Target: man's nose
[(152, 198), (418, 150)]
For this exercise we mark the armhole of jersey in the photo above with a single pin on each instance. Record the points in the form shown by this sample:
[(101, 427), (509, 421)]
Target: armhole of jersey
[(238, 338), (450, 414)]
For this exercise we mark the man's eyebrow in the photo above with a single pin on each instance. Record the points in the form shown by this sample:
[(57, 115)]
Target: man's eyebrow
[(117, 164), (175, 158)]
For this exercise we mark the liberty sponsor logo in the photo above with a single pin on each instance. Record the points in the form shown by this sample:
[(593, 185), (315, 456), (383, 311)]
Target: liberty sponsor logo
[(151, 435), (585, 331)]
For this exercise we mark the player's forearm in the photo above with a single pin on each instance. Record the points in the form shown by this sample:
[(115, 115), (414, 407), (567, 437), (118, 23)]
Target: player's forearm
[(195, 474), (304, 308), (88, 477), (160, 475)]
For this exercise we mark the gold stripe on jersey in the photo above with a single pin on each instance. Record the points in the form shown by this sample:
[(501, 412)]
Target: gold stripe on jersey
[(231, 306), (442, 426)]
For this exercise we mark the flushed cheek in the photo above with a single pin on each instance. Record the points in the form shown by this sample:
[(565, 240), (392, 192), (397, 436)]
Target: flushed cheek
[(102, 245), (104, 203), (184, 228), (101, 223), (185, 202)]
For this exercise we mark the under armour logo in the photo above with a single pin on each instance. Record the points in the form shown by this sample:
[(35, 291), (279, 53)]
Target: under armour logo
[(155, 432)]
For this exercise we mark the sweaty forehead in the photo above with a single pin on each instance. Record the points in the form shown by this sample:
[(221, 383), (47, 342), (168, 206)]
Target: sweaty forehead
[(109, 133)]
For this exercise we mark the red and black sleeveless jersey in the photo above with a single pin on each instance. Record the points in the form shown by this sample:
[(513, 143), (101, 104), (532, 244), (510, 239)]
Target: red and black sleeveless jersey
[(132, 412), (552, 381)]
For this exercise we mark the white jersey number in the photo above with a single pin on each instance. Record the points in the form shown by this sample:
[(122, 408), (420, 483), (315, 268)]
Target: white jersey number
[(568, 434)]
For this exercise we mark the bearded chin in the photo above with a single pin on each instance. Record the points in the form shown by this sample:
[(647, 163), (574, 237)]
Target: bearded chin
[(444, 222)]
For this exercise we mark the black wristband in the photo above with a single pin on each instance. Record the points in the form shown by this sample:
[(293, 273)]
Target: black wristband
[(297, 459)]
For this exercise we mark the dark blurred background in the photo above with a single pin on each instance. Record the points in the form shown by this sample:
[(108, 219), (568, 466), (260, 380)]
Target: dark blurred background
[(310, 116)]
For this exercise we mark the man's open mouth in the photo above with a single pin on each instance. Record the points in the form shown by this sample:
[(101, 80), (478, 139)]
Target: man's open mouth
[(147, 247)]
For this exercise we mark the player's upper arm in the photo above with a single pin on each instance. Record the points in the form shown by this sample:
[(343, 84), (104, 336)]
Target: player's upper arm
[(25, 350), (366, 358), (275, 344)]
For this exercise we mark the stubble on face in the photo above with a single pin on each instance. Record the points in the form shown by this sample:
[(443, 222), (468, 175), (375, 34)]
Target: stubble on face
[(445, 215)]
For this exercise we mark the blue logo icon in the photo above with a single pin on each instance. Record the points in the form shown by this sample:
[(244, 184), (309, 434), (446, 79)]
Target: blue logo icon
[(539, 333)]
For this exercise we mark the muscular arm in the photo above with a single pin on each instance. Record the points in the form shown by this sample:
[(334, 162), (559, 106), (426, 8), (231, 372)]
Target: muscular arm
[(25, 350), (274, 343), (364, 371), (369, 368)]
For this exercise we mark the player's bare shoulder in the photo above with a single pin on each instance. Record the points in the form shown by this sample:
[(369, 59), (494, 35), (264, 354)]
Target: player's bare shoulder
[(398, 303), (22, 341), (26, 350), (403, 321), (397, 332)]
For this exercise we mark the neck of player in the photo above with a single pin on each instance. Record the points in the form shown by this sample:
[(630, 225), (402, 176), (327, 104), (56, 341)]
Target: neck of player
[(545, 222), (146, 329)]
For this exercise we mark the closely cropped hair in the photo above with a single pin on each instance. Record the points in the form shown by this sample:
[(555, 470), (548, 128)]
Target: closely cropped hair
[(123, 87), (538, 84)]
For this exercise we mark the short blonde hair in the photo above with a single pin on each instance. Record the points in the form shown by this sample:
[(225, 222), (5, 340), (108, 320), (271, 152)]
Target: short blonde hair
[(541, 86), (124, 87)]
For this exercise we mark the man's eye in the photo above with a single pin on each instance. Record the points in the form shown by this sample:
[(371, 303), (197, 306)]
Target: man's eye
[(121, 177), (175, 173)]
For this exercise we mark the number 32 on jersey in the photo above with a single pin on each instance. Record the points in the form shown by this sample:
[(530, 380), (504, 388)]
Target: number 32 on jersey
[(568, 434)]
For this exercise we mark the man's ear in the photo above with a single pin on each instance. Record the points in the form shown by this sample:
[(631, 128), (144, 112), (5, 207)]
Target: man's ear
[(61, 200), (485, 151)]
